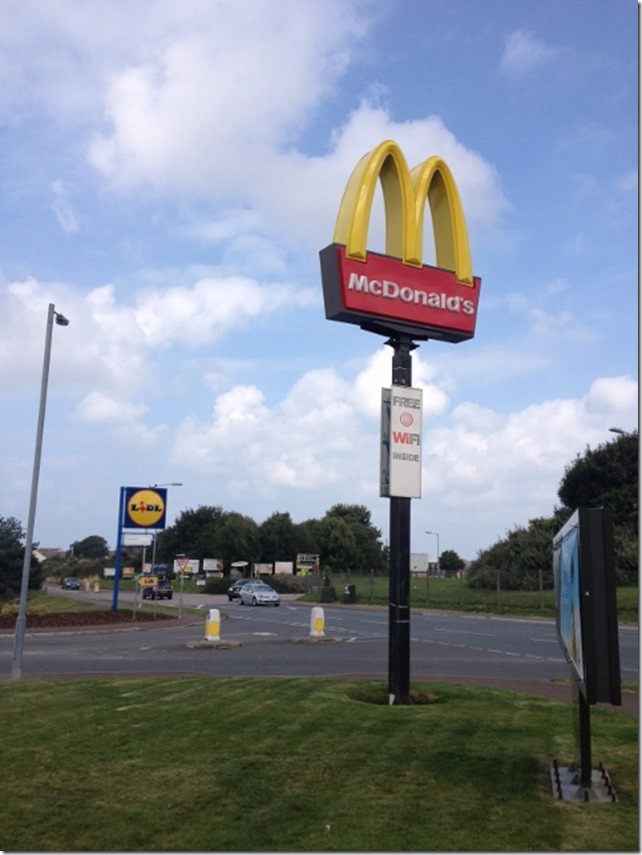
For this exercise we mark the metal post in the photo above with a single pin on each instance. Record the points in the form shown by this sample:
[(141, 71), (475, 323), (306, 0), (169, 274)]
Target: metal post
[(21, 621), (119, 546), (399, 583), (434, 534)]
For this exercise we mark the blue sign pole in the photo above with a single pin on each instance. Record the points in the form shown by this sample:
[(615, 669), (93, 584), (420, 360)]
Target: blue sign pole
[(119, 542)]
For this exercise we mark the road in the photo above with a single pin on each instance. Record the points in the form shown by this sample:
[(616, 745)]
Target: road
[(270, 641)]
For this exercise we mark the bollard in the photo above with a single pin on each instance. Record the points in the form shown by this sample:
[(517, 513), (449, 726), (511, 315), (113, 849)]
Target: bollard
[(212, 625), (317, 623)]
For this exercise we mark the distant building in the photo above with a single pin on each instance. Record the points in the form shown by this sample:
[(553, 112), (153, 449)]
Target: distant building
[(41, 554)]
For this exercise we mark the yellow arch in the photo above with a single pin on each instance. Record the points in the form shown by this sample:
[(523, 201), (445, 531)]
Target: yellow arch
[(405, 194)]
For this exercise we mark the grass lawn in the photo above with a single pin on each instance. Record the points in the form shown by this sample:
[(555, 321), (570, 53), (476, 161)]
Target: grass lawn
[(451, 594), (202, 764)]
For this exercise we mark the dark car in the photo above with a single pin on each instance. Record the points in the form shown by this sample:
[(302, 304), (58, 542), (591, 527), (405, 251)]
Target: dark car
[(234, 591), (162, 590), (70, 583)]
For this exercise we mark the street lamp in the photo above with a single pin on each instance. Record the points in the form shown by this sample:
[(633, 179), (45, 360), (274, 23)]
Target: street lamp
[(436, 534), (428, 567), (21, 621), (618, 430)]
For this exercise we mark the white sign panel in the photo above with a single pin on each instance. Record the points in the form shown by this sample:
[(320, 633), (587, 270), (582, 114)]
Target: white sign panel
[(137, 539), (283, 567), (212, 565), (401, 412), (190, 567)]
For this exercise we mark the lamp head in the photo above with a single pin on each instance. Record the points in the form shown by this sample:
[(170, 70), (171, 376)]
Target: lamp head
[(61, 320)]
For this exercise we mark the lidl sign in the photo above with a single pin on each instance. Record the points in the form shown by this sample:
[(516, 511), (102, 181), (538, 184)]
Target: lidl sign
[(145, 508), (396, 292)]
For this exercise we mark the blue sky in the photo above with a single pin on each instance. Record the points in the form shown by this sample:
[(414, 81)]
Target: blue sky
[(169, 173)]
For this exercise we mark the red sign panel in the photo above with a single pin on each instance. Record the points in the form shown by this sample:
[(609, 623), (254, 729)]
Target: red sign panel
[(385, 295)]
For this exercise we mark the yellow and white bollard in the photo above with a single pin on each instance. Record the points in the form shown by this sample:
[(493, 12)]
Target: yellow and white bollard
[(317, 623), (213, 625)]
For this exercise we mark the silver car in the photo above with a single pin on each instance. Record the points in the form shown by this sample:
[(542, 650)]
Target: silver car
[(258, 594)]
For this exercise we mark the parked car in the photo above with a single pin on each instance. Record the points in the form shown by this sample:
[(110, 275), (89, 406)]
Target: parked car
[(259, 594), (70, 583), (162, 590), (234, 591)]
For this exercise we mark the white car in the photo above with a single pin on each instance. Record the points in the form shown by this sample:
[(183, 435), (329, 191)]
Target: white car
[(258, 594)]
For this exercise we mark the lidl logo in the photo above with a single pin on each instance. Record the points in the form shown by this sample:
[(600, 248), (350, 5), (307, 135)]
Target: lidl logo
[(145, 508)]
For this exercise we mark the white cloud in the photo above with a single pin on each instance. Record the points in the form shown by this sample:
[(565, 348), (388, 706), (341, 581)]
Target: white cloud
[(515, 461), (99, 407), (63, 209), (223, 95), (628, 181), (524, 53)]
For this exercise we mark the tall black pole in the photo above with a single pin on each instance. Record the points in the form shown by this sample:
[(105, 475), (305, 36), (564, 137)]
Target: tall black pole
[(399, 591)]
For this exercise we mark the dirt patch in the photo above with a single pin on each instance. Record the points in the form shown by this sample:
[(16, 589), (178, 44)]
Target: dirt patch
[(64, 620)]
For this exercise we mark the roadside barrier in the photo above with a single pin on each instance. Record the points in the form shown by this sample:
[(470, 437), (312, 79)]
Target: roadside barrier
[(213, 625), (317, 623)]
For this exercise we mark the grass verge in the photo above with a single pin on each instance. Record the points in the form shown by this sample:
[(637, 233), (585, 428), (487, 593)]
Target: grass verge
[(201, 764)]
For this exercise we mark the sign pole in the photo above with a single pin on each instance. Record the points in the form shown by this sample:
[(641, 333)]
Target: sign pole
[(399, 581), (119, 545)]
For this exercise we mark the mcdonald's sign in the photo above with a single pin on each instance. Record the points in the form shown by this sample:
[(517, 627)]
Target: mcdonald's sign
[(396, 293)]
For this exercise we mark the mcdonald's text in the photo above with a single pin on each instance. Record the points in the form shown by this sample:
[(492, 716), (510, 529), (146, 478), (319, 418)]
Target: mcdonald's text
[(392, 291)]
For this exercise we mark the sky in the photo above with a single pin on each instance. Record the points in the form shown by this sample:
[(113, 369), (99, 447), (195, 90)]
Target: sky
[(169, 174)]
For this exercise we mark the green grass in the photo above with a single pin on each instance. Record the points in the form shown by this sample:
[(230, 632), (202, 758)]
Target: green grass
[(450, 594), (198, 764)]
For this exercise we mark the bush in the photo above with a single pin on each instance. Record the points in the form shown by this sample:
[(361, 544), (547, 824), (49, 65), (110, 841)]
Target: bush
[(216, 585), (285, 583)]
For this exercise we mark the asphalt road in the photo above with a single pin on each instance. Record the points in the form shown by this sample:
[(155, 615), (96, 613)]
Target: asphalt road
[(268, 641)]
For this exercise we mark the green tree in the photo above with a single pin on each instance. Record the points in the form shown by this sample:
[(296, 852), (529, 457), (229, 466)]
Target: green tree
[(278, 538), (521, 559), (367, 538), (607, 476), (93, 546), (450, 562), (12, 558), (237, 539), (194, 533), (307, 537), (338, 544)]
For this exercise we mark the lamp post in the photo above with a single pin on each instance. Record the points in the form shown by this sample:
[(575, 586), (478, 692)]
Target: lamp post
[(21, 621), (435, 534)]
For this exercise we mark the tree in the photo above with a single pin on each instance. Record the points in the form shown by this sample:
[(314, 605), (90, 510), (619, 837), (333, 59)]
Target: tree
[(193, 533), (237, 539), (369, 549), (12, 558), (93, 546), (450, 562), (278, 538), (521, 559), (338, 544), (607, 476)]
